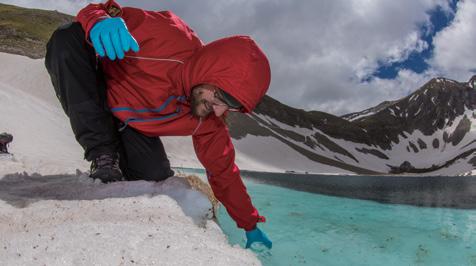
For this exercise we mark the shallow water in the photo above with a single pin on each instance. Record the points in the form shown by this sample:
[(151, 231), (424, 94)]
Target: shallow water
[(314, 229)]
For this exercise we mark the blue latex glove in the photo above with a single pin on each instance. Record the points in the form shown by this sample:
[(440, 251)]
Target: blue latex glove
[(257, 235), (112, 35)]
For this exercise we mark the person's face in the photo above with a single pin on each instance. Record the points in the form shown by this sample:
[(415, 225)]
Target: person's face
[(205, 99)]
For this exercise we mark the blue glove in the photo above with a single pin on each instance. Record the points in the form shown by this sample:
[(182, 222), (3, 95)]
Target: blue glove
[(257, 235), (112, 35)]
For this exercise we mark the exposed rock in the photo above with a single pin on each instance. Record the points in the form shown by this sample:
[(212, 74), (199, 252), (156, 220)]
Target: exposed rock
[(472, 82), (333, 146), (413, 146), (436, 143), (374, 152), (421, 144), (473, 161), (405, 167), (463, 127)]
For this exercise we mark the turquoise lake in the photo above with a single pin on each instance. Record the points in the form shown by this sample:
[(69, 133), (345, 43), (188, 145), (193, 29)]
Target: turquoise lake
[(314, 229)]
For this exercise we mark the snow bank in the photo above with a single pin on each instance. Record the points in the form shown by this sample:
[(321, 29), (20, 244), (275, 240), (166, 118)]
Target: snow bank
[(70, 220)]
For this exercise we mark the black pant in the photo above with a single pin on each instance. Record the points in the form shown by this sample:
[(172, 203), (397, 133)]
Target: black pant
[(80, 86)]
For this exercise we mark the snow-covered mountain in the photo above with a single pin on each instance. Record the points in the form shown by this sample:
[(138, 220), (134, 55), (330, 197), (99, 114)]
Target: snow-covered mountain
[(428, 132)]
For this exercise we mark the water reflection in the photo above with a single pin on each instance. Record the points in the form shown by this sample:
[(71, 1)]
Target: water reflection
[(429, 191)]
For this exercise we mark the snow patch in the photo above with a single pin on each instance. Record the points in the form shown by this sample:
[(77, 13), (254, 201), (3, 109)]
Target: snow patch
[(392, 112), (69, 221), (361, 115), (419, 109), (414, 97)]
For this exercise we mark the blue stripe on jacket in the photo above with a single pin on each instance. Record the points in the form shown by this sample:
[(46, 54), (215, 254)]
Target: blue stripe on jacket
[(147, 110)]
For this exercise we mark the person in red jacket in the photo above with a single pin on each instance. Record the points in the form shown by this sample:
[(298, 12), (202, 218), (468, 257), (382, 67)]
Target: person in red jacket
[(126, 76)]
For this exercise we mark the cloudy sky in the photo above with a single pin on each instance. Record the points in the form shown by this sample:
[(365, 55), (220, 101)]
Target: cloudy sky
[(337, 56)]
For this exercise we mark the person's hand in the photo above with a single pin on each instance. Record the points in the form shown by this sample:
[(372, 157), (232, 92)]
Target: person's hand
[(257, 235), (112, 37)]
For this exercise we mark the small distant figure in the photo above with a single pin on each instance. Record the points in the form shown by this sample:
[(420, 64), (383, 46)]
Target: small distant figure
[(5, 139)]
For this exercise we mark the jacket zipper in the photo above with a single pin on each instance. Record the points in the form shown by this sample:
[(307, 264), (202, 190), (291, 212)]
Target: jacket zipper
[(156, 59)]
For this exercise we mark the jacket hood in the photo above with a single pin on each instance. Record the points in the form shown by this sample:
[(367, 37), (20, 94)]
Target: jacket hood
[(234, 64)]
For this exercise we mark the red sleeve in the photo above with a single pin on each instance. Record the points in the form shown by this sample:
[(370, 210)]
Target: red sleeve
[(94, 13), (217, 154)]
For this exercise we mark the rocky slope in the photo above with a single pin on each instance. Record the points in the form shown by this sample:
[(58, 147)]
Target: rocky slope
[(25, 31)]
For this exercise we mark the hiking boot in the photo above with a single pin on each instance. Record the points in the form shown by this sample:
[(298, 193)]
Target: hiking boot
[(105, 167), (5, 138)]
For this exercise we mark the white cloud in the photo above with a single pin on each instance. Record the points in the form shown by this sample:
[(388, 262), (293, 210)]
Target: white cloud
[(455, 46), (361, 96)]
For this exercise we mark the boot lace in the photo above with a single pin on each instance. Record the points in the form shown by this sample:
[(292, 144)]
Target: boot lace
[(106, 161)]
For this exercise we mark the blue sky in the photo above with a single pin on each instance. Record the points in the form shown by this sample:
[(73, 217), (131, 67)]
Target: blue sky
[(336, 56), (417, 61)]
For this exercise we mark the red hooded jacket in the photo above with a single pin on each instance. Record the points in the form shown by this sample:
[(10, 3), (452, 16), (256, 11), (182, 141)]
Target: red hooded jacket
[(150, 90)]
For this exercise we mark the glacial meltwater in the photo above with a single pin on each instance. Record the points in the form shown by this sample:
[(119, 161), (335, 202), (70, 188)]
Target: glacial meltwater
[(416, 221)]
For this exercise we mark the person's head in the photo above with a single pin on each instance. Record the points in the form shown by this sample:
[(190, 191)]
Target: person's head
[(206, 99), (232, 70)]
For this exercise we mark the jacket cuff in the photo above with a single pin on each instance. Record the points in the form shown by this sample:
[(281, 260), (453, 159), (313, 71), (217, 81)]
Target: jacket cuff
[(113, 8), (261, 219), (93, 13)]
